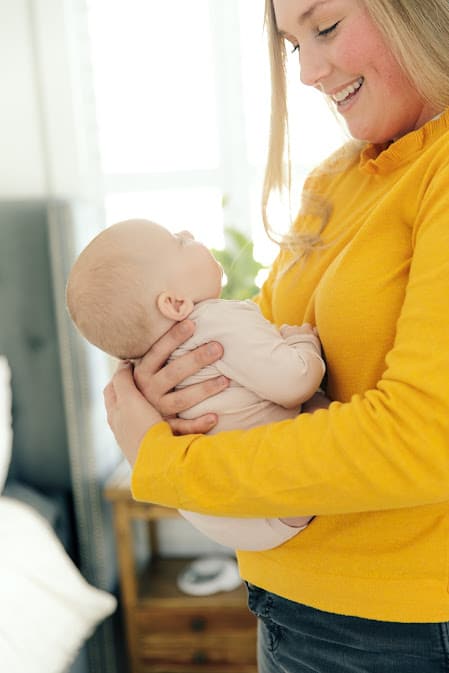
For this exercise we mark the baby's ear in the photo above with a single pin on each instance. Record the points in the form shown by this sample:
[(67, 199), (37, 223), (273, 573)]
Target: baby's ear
[(172, 307)]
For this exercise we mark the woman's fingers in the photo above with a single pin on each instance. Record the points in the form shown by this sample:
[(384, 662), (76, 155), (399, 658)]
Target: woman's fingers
[(157, 380), (179, 400), (201, 425), (161, 350), (155, 386)]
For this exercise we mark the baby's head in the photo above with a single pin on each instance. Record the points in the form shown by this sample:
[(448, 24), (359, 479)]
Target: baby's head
[(133, 281)]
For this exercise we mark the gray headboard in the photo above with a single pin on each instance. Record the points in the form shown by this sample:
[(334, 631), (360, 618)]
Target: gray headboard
[(28, 338)]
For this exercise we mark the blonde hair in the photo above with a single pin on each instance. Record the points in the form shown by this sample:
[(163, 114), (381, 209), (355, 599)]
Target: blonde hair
[(108, 299), (418, 32)]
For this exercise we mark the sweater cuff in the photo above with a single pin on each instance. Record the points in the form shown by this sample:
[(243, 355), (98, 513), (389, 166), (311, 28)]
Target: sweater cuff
[(139, 475)]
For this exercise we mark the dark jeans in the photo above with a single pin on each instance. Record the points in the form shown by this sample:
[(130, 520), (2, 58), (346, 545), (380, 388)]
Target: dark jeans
[(294, 638)]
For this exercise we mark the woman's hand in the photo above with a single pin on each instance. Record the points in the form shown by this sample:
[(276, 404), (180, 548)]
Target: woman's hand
[(129, 414), (156, 380)]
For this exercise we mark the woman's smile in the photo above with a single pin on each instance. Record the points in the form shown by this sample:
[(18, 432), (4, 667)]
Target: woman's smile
[(343, 53), (343, 96)]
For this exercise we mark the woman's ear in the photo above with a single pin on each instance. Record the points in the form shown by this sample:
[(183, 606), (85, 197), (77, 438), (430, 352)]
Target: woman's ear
[(174, 308)]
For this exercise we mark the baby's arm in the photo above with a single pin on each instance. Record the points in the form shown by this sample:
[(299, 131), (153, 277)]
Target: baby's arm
[(272, 363), (287, 331), (305, 337), (285, 367)]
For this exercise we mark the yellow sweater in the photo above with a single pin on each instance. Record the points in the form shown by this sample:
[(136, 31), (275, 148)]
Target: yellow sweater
[(374, 467)]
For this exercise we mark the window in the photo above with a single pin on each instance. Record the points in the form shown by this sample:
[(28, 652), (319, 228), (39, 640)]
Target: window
[(182, 91)]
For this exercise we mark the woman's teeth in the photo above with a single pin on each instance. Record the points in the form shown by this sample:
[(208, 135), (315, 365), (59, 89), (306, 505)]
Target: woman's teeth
[(348, 91)]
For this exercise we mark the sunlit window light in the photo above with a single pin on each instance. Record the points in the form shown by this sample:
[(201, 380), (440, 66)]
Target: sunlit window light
[(159, 94)]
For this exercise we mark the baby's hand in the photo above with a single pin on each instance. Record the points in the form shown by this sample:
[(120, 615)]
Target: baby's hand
[(287, 331), (291, 330)]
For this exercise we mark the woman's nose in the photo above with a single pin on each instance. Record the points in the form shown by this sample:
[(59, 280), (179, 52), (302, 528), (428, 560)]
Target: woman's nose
[(314, 67)]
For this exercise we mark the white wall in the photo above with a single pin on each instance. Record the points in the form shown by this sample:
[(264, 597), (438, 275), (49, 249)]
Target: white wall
[(22, 169), (48, 147), (47, 117)]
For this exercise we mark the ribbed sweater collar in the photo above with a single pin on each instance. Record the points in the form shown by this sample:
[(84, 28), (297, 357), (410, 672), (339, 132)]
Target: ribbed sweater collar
[(382, 159)]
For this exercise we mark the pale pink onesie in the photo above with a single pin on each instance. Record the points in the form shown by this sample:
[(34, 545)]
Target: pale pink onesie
[(269, 380)]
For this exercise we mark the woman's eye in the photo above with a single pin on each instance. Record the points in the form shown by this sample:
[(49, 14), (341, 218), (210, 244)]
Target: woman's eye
[(295, 48), (326, 31)]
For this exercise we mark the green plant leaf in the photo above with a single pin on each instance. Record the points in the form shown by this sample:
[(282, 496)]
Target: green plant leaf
[(239, 265)]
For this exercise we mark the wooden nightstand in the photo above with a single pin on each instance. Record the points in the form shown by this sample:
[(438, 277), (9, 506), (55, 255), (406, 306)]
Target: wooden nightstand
[(168, 631)]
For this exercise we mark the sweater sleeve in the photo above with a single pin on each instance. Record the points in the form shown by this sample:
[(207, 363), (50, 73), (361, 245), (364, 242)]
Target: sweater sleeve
[(385, 449)]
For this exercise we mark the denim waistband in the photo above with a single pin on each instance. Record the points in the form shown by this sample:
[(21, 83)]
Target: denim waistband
[(295, 638)]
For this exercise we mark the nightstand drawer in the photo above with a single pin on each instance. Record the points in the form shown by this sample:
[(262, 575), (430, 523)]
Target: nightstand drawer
[(202, 621), (207, 652), (168, 631)]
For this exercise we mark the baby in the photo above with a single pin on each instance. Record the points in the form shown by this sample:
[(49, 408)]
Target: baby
[(135, 280)]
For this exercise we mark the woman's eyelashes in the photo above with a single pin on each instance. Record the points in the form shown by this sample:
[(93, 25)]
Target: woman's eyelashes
[(319, 33), (327, 31)]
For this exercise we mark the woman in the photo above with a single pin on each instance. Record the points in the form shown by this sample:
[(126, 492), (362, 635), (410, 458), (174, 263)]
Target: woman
[(365, 586)]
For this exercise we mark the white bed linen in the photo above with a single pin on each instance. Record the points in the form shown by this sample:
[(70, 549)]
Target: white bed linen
[(47, 609), (5, 420)]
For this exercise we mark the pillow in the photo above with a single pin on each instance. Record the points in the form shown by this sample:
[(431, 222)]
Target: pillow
[(47, 609), (5, 420)]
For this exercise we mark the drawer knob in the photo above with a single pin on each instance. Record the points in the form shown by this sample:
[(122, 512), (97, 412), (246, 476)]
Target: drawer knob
[(199, 657), (198, 624)]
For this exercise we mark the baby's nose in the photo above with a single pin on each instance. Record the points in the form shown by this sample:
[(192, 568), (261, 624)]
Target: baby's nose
[(186, 234)]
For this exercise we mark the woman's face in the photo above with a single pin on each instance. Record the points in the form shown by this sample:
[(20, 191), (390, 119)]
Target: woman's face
[(343, 54)]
